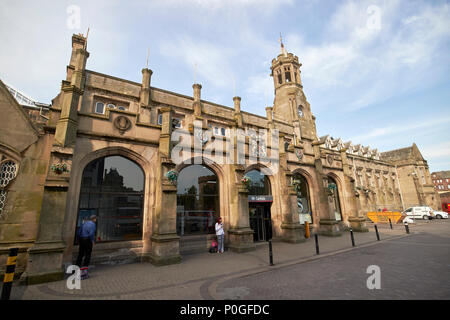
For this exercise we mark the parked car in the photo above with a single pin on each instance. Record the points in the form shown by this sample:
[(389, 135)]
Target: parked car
[(425, 213), (440, 215)]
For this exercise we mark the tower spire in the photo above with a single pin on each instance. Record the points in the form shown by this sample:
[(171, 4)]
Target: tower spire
[(283, 50)]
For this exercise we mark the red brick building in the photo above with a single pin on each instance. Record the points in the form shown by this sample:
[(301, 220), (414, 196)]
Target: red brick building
[(441, 181)]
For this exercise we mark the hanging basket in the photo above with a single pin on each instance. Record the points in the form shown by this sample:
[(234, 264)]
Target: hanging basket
[(246, 182), (172, 176), (59, 168)]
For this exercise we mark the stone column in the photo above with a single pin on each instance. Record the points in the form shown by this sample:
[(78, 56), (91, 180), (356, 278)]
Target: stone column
[(46, 255), (165, 241), (355, 217), (291, 229), (328, 225), (240, 235)]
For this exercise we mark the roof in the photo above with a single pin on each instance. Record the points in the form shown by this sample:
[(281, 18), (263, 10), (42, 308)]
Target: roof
[(441, 174)]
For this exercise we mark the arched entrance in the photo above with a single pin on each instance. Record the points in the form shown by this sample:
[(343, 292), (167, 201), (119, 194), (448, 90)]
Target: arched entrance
[(198, 204), (259, 202), (303, 198), (333, 186), (112, 188)]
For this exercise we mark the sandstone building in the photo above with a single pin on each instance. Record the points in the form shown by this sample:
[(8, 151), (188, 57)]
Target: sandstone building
[(106, 149)]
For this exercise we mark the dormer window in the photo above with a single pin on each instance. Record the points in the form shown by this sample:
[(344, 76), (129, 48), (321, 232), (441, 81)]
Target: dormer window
[(100, 108)]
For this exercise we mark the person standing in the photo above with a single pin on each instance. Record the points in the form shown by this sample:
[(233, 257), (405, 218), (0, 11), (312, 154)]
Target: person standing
[(86, 242), (220, 234)]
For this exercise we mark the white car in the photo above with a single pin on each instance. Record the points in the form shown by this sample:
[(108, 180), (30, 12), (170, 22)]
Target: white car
[(440, 215), (425, 213)]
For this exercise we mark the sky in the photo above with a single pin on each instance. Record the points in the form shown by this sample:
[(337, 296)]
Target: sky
[(375, 72)]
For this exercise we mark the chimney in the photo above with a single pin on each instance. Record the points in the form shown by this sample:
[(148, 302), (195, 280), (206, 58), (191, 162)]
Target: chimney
[(237, 104), (197, 93), (145, 87), (78, 42)]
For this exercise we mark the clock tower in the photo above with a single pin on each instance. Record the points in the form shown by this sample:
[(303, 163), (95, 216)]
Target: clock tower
[(290, 104)]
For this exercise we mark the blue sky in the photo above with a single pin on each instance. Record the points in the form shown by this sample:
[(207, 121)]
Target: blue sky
[(375, 72)]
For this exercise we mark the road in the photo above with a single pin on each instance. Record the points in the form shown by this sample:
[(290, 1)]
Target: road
[(413, 267)]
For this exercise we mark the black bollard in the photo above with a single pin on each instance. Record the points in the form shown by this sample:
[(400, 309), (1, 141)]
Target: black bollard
[(316, 237), (9, 273), (270, 252), (390, 223), (407, 227), (376, 231), (351, 235)]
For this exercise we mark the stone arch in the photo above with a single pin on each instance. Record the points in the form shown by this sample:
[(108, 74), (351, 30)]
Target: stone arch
[(78, 167), (340, 193), (222, 181), (312, 186)]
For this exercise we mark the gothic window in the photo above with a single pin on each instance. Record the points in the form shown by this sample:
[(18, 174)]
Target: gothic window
[(259, 183), (198, 204), (303, 199), (8, 171), (287, 74), (337, 207), (280, 80), (112, 188)]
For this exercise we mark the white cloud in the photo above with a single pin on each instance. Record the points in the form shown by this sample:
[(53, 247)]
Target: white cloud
[(437, 151), (363, 64), (212, 62), (400, 128)]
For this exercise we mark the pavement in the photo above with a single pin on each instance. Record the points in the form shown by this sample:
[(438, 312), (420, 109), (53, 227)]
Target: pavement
[(200, 276)]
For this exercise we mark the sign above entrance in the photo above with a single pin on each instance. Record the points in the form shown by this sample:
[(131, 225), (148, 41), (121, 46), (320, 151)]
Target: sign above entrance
[(260, 198)]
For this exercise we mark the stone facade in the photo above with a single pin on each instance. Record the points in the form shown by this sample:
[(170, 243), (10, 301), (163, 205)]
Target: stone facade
[(97, 115)]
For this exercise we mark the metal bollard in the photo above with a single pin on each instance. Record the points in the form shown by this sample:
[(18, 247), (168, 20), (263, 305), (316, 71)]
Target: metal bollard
[(307, 234), (390, 223), (407, 227), (376, 231), (9, 273), (270, 252), (351, 235), (316, 237)]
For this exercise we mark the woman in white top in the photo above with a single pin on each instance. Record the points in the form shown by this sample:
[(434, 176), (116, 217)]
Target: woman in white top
[(220, 235)]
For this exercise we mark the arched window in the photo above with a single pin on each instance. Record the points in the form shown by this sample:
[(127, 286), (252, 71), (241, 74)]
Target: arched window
[(332, 185), (112, 188), (300, 111), (8, 171), (198, 204), (259, 183), (303, 198)]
